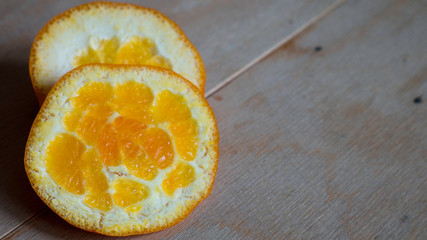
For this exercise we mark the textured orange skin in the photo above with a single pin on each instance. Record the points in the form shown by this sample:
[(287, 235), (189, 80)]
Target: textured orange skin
[(38, 119), (41, 97)]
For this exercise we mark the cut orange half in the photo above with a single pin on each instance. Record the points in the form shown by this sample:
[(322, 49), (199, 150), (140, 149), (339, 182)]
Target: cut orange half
[(123, 150), (113, 33)]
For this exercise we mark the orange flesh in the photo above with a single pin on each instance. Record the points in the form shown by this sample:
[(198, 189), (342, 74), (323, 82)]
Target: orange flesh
[(129, 192), (185, 133), (136, 50), (95, 93), (132, 100), (71, 119), (158, 146), (129, 129), (108, 146), (62, 162), (170, 108), (181, 176), (96, 182), (89, 127), (101, 201), (123, 125), (142, 167)]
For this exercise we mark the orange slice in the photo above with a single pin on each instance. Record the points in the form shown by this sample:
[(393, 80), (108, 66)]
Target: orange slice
[(114, 33), (115, 174)]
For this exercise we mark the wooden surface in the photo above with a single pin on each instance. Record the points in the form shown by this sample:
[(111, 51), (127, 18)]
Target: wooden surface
[(220, 45), (321, 139)]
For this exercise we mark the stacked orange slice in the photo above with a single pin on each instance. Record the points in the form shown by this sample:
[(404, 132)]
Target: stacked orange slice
[(114, 33), (123, 150), (125, 142)]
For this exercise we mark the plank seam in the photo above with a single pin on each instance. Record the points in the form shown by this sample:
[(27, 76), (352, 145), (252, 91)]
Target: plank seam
[(227, 80), (269, 51), (11, 231)]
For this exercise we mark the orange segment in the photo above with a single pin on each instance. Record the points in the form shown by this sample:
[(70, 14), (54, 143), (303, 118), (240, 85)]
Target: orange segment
[(105, 53), (96, 182), (141, 167), (129, 149), (100, 110), (130, 132), (136, 51), (159, 61), (108, 147), (71, 120), (130, 129), (129, 192), (132, 93), (183, 129), (91, 166), (89, 128), (101, 201), (158, 146), (181, 175), (187, 148), (92, 93), (170, 107), (113, 33), (107, 50), (85, 57), (139, 113), (133, 208), (185, 134), (62, 160), (132, 101), (109, 166)]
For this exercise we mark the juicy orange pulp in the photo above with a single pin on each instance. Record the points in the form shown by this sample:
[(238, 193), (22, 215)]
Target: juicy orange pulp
[(128, 192), (105, 132), (62, 162), (181, 176), (136, 50)]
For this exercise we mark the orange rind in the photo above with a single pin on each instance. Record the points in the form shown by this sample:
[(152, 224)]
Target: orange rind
[(114, 173), (112, 33)]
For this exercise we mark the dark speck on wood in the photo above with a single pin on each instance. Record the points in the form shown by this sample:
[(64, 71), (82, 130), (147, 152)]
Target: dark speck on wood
[(418, 100), (217, 97), (318, 48), (404, 218)]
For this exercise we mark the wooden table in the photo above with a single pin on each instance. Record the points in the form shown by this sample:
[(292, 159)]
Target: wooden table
[(321, 107)]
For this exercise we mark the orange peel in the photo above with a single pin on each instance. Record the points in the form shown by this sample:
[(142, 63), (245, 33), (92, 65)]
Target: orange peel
[(128, 176), (113, 33)]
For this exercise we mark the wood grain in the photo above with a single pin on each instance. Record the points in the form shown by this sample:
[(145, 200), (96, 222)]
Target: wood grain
[(321, 140), (229, 34)]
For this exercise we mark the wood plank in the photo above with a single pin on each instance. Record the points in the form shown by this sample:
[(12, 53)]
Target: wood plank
[(228, 34), (320, 140)]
